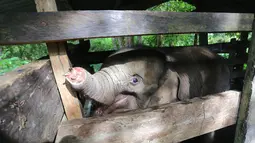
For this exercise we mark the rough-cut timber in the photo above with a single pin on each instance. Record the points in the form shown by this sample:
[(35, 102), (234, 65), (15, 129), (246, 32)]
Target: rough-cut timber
[(30, 105), (46, 5), (203, 39), (19, 28), (60, 65), (168, 123), (245, 129)]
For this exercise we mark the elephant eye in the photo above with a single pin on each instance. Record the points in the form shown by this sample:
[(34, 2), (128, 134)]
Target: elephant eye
[(135, 79)]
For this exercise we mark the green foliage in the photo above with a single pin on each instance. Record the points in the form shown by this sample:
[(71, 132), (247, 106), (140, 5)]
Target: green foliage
[(173, 6), (225, 55), (171, 39), (249, 35), (222, 37), (96, 67), (101, 44), (150, 40), (75, 42), (25, 52), (244, 66), (16, 55), (11, 63), (178, 40)]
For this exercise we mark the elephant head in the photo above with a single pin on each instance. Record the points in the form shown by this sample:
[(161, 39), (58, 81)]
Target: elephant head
[(125, 73)]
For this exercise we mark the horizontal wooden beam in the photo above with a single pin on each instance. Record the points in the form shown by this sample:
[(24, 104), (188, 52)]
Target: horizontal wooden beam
[(18, 28), (168, 123)]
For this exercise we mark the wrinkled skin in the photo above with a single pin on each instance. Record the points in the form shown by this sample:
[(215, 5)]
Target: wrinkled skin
[(122, 77), (140, 78)]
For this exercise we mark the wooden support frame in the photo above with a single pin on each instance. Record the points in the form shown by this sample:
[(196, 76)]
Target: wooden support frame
[(203, 39), (168, 123), (14, 31), (245, 129), (60, 65)]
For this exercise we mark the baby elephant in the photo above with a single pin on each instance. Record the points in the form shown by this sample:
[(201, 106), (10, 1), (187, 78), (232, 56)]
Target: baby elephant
[(141, 77)]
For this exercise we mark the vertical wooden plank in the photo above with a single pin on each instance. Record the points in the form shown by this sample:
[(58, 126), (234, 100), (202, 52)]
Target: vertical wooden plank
[(245, 129), (195, 39), (139, 38), (241, 51), (159, 42), (46, 5), (203, 39), (60, 65)]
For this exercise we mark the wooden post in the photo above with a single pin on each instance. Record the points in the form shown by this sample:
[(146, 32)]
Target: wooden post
[(195, 39), (203, 39), (159, 42), (245, 129), (139, 38), (60, 65), (241, 51)]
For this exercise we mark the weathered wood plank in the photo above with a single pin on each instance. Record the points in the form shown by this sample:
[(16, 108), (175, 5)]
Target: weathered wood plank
[(46, 5), (30, 106), (168, 123), (245, 129), (60, 65), (17, 28)]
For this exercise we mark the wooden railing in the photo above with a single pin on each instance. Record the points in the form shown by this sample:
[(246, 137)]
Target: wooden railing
[(55, 28)]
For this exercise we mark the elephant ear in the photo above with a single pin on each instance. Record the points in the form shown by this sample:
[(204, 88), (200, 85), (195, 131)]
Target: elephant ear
[(189, 86), (183, 87)]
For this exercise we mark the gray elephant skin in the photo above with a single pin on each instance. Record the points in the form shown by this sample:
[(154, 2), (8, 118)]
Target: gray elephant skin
[(143, 76)]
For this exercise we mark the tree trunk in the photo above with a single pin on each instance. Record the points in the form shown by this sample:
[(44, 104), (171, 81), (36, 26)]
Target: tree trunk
[(121, 42), (129, 41), (139, 38), (159, 40), (195, 40)]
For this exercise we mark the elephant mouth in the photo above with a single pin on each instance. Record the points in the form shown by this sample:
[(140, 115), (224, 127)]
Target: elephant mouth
[(119, 104), (128, 93), (75, 75)]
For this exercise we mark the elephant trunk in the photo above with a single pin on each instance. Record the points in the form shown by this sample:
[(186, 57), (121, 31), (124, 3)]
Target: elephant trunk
[(104, 85)]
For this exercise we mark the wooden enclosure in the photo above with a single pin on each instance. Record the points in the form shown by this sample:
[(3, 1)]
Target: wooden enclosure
[(55, 28)]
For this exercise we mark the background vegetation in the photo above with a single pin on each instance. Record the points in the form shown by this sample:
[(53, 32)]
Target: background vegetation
[(14, 56)]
